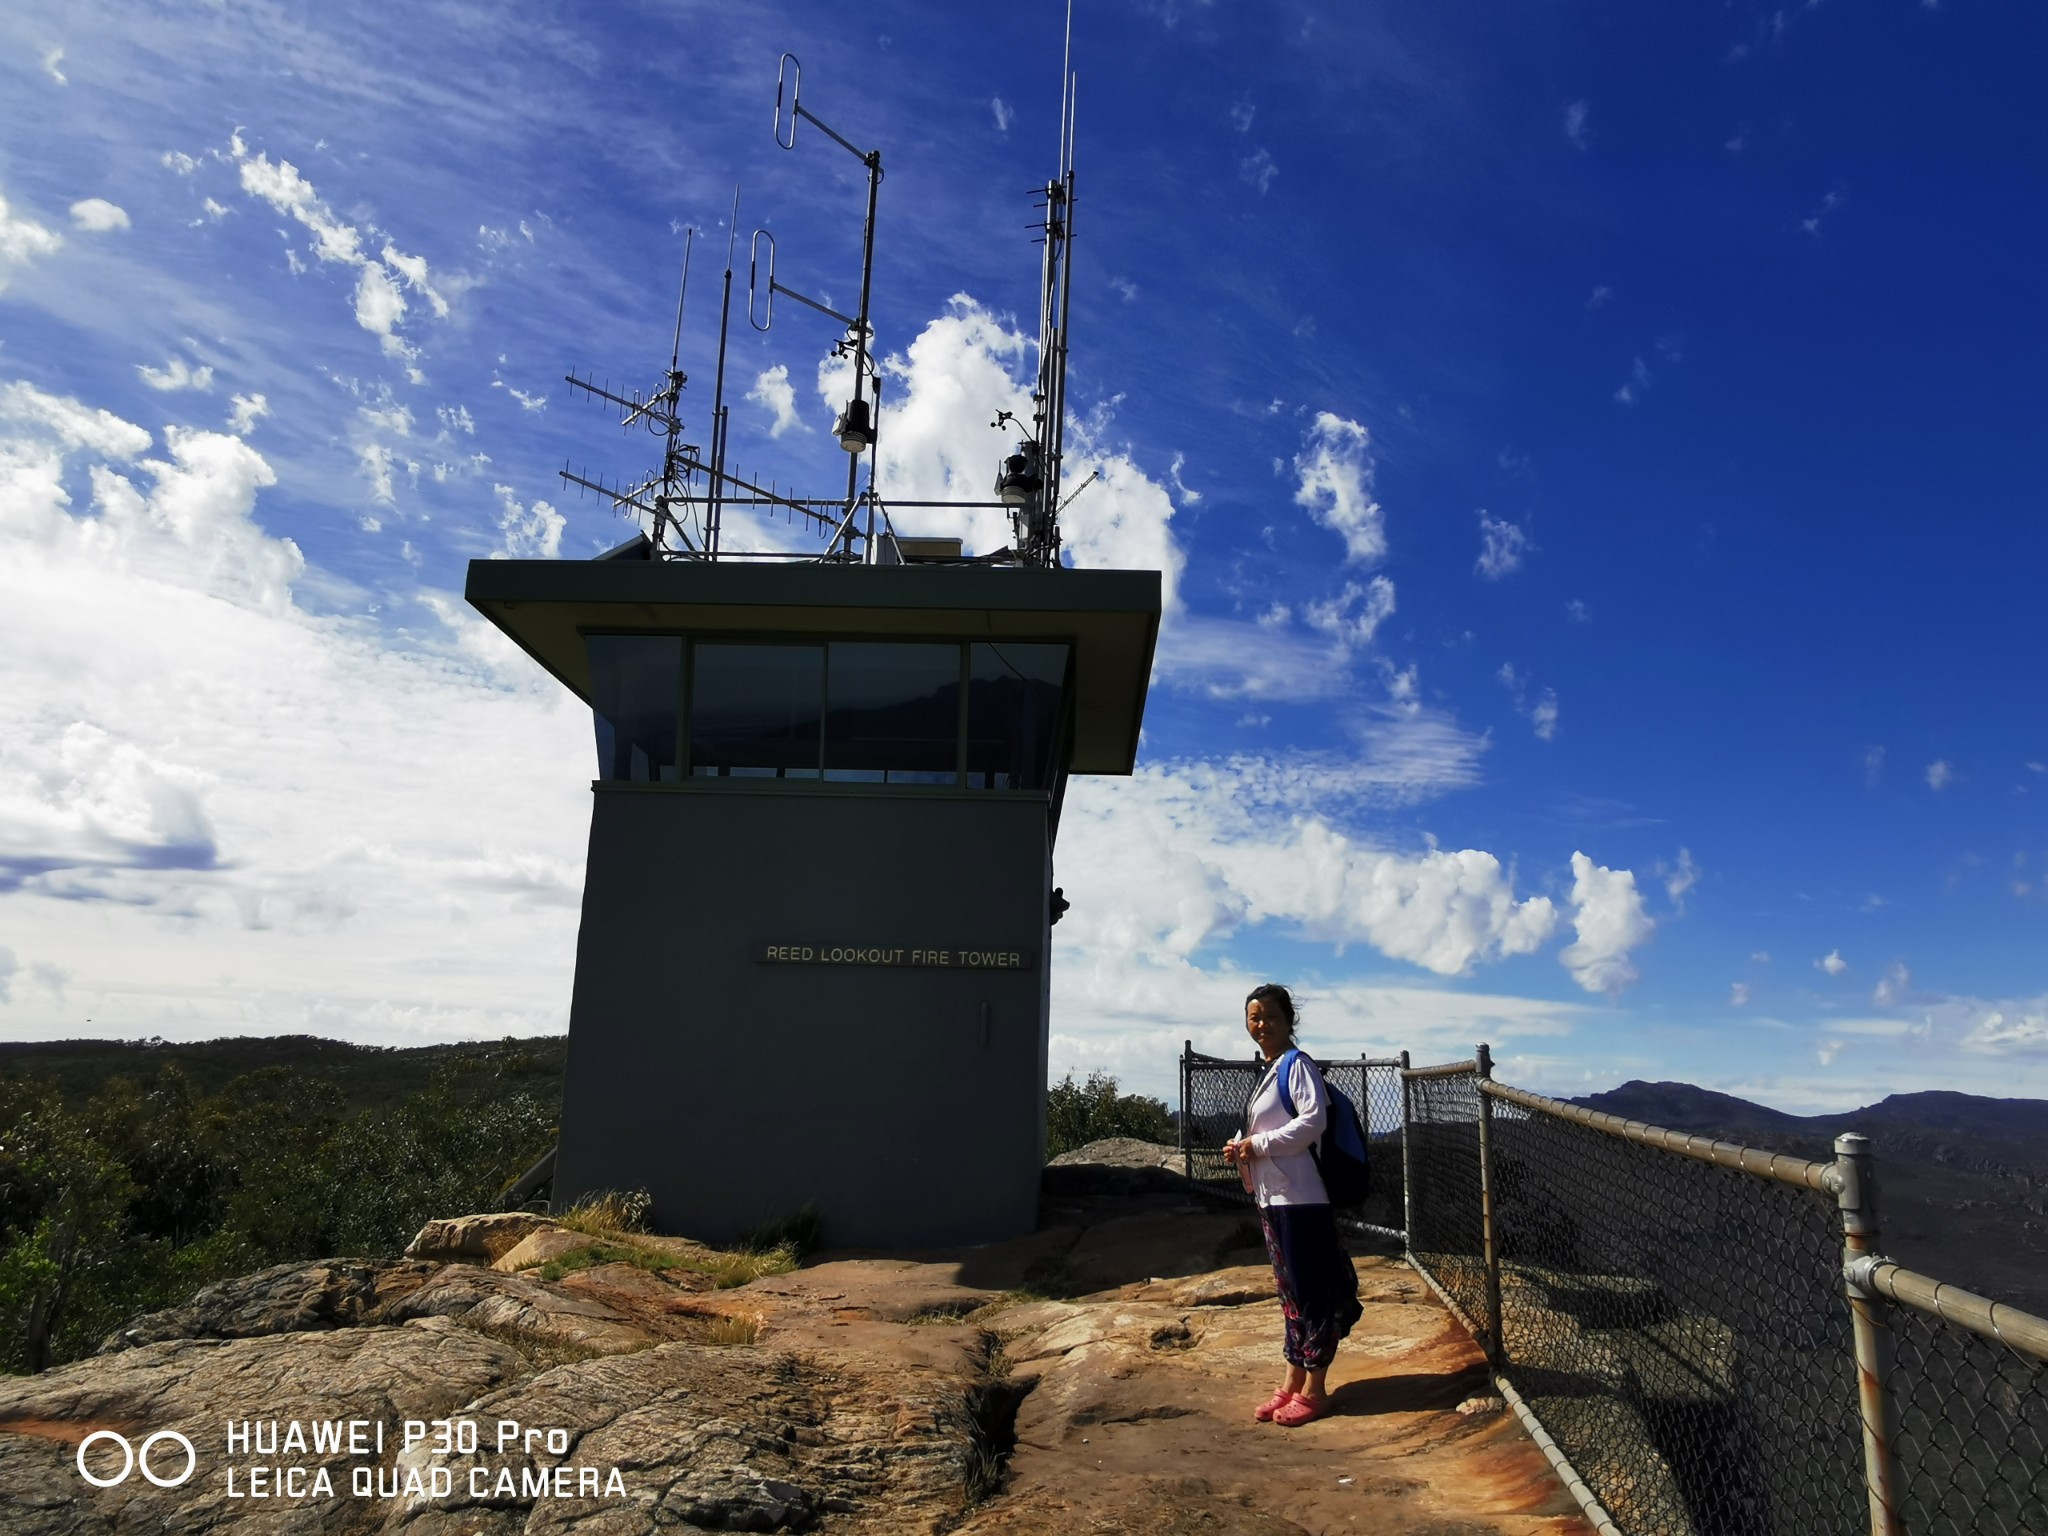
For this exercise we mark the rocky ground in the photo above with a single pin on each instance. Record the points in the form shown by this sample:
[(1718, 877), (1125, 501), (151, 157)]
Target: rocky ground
[(1096, 1376)]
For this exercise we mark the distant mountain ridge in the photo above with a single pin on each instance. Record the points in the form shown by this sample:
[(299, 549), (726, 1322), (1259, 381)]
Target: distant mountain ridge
[(1962, 1179), (1683, 1107), (370, 1076)]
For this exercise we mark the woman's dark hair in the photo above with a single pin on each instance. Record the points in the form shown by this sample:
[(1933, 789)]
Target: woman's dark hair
[(1273, 995)]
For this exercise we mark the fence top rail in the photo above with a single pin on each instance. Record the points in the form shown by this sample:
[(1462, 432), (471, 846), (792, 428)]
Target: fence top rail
[(1821, 1177), (1247, 1062), (1952, 1304), (1448, 1069)]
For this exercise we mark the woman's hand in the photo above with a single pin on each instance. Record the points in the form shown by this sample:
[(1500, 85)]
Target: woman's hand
[(1236, 1151)]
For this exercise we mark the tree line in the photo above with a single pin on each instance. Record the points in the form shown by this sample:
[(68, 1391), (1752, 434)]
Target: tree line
[(150, 1189), (129, 1196)]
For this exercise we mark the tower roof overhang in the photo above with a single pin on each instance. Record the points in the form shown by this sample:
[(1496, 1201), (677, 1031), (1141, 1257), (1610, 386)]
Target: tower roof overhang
[(1111, 618)]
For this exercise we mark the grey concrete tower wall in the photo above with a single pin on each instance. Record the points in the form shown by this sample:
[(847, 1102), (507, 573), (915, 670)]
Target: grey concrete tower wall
[(736, 1090)]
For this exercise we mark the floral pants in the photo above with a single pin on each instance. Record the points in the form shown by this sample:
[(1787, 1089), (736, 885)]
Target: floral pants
[(1318, 1286)]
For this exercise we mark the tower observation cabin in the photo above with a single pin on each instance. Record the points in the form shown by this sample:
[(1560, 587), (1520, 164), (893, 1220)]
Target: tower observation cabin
[(813, 967), (814, 962)]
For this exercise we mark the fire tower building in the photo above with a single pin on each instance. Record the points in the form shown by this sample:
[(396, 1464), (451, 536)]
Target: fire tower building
[(814, 960)]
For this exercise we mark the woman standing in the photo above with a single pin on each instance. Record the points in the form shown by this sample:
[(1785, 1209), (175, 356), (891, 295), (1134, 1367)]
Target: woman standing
[(1318, 1286)]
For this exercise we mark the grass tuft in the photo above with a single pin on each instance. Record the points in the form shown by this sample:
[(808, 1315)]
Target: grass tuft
[(608, 1213), (732, 1330), (798, 1232), (725, 1270)]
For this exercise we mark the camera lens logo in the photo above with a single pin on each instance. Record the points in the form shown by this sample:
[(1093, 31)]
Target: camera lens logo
[(132, 1457)]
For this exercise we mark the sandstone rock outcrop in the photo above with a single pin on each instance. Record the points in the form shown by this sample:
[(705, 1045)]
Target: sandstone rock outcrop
[(1095, 1376), (474, 1239)]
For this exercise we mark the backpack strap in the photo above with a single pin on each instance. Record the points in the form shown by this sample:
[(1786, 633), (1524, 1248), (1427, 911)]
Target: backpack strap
[(1284, 1066)]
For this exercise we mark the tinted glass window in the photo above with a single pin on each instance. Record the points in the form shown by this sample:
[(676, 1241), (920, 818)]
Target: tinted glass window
[(893, 713), (754, 710), (1013, 714), (635, 692)]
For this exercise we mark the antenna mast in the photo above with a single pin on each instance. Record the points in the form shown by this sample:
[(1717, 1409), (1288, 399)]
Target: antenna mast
[(1029, 480), (686, 522)]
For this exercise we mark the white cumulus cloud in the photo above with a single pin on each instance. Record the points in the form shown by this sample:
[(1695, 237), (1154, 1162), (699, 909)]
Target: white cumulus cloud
[(245, 412), (379, 308), (1335, 471), (774, 393), (529, 532), (1608, 915), (1183, 854), (935, 443), (1353, 616), (97, 216), (1939, 774), (22, 240), (1832, 962), (176, 374)]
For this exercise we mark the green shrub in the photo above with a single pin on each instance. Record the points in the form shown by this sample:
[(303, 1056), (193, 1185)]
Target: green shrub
[(137, 1197), (1078, 1113)]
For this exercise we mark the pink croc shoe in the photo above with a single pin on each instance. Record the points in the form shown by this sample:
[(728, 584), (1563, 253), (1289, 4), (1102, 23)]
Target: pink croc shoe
[(1272, 1405), (1298, 1410)]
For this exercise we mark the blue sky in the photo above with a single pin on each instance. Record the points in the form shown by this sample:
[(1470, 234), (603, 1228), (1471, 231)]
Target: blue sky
[(1588, 444)]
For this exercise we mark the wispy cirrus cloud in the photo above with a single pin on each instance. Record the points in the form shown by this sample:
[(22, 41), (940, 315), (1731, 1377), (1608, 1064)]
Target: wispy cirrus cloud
[(1502, 547), (385, 274), (167, 692), (1830, 203), (1577, 130), (1539, 706)]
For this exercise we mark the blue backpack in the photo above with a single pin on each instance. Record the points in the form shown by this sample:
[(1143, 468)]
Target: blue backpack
[(1341, 1155)]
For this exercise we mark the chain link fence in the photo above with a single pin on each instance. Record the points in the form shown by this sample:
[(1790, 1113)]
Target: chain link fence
[(1702, 1337), (1215, 1092), (1447, 1233), (1680, 1330), (1972, 1439)]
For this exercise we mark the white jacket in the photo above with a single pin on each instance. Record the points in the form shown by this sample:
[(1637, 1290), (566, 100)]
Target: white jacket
[(1283, 1173)]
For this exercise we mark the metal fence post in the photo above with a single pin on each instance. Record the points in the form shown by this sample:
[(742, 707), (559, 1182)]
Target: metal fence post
[(1856, 1194), (1407, 1167), (1496, 1345), (1187, 1154)]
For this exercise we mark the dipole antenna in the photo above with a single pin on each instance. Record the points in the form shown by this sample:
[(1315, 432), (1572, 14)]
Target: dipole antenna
[(856, 425)]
